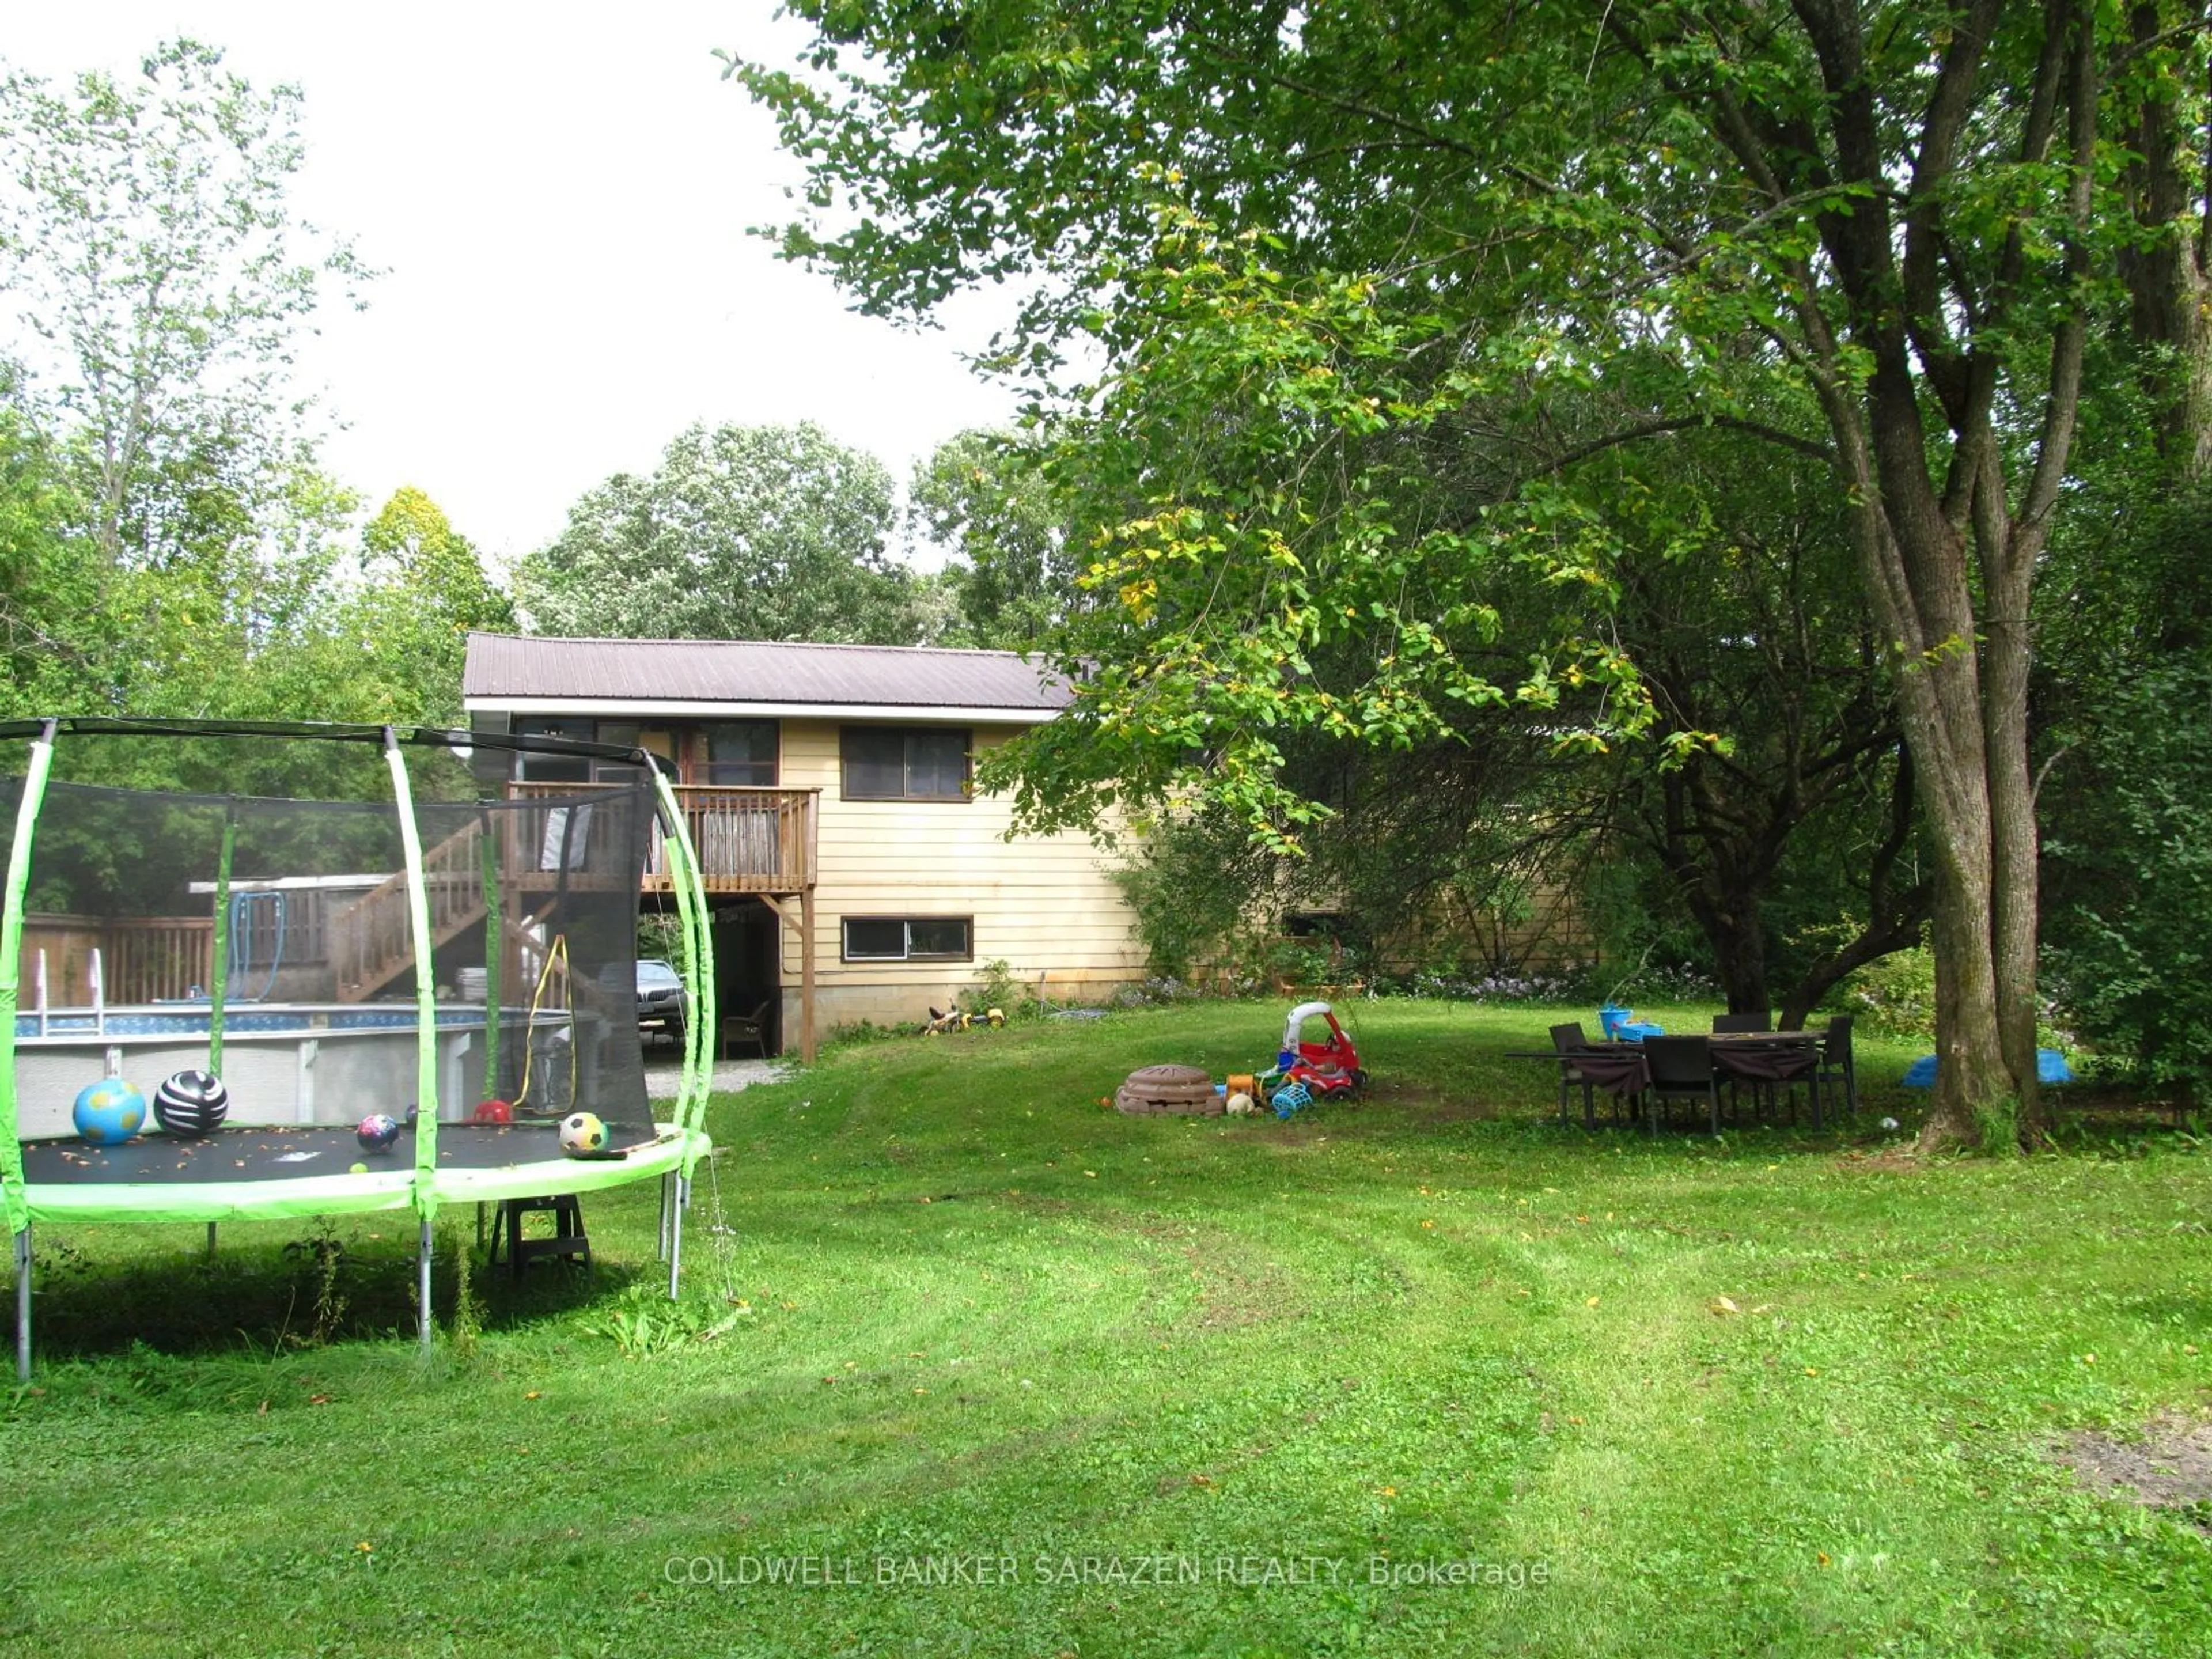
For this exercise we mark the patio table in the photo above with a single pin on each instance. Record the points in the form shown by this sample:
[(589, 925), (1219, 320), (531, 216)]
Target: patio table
[(1768, 1060), (1762, 1059)]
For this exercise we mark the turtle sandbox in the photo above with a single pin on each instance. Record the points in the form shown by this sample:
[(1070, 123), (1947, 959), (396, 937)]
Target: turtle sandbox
[(1171, 1090)]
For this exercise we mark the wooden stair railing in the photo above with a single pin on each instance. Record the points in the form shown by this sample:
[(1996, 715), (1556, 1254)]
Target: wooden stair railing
[(373, 939)]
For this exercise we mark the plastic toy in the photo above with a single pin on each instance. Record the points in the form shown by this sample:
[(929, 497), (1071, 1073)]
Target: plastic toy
[(1618, 1025), (377, 1132), (1329, 1069), (583, 1134), (109, 1112), (191, 1105), (955, 1019)]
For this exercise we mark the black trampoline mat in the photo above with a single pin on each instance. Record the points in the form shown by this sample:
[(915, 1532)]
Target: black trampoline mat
[(294, 1154)]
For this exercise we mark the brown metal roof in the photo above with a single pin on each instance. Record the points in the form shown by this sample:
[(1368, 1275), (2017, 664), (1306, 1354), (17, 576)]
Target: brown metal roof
[(649, 672)]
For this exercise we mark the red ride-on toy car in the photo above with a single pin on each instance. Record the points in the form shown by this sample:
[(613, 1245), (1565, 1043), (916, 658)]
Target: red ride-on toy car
[(1326, 1068)]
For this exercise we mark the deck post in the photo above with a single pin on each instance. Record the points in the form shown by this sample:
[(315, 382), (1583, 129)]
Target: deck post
[(807, 976)]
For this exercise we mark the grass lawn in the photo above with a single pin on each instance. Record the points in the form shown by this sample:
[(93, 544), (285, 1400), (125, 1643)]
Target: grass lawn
[(1767, 1394)]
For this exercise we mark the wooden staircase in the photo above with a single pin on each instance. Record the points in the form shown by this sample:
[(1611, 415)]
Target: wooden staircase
[(373, 939)]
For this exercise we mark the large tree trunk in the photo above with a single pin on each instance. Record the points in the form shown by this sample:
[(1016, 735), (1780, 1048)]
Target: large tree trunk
[(1739, 949), (1939, 697), (1962, 685), (1721, 880), (1916, 571)]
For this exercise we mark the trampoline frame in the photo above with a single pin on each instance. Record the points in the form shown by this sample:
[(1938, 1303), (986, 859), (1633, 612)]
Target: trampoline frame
[(673, 1155)]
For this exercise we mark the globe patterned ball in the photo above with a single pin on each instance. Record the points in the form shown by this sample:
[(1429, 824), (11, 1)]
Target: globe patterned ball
[(109, 1112), (378, 1131), (191, 1105)]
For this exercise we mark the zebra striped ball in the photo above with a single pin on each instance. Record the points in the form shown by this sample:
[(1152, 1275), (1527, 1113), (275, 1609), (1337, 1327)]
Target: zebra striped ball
[(191, 1104)]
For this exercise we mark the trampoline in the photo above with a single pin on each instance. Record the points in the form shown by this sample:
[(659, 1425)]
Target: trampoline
[(458, 952)]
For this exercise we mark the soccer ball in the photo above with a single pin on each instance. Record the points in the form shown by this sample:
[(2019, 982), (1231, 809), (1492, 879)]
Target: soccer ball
[(109, 1112), (377, 1132), (191, 1104), (494, 1111), (582, 1132)]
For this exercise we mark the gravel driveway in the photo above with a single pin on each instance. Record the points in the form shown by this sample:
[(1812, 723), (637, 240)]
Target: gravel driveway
[(663, 1072)]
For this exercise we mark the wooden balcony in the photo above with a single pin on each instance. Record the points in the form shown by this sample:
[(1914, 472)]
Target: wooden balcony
[(748, 840)]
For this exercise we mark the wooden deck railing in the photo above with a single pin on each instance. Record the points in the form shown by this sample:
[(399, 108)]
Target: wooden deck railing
[(142, 958), (748, 840)]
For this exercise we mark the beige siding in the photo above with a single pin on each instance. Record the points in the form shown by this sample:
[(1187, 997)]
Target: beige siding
[(1043, 904)]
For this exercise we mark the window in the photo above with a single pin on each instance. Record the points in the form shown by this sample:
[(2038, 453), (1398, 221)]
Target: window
[(742, 751), (555, 769), (909, 938), (893, 763), (622, 734)]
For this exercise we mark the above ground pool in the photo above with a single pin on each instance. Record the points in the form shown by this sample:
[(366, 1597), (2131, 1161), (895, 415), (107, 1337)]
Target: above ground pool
[(298, 1064)]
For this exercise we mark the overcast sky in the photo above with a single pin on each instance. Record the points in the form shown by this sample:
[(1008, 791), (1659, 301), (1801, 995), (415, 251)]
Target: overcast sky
[(561, 209)]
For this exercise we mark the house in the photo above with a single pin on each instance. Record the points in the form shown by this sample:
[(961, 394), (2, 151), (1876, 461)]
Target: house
[(854, 872)]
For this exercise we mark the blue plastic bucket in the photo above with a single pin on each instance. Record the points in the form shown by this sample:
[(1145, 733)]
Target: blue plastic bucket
[(1610, 1019)]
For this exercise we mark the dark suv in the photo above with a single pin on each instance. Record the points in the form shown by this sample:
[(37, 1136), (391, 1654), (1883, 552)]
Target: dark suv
[(661, 1003)]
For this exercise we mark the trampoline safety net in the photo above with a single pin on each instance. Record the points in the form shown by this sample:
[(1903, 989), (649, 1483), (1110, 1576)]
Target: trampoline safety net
[(275, 942)]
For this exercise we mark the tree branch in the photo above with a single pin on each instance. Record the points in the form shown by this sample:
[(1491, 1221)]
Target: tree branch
[(1949, 108), (1659, 427)]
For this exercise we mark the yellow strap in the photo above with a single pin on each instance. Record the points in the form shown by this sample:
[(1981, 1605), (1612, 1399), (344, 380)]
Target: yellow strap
[(558, 953)]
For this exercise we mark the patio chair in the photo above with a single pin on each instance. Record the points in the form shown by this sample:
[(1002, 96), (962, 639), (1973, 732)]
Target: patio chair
[(1565, 1039), (1835, 1065), (1760, 1022), (1682, 1068), (752, 1028)]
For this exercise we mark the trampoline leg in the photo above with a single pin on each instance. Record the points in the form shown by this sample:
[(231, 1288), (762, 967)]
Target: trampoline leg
[(210, 1241), (422, 1284), (23, 1306), (676, 1234)]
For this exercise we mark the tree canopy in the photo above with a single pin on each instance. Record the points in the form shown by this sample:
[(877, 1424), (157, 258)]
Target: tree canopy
[(159, 279), (767, 532), (983, 498), (1313, 240)]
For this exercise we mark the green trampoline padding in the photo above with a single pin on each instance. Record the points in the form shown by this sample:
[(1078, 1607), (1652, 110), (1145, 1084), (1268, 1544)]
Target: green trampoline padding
[(269, 1173)]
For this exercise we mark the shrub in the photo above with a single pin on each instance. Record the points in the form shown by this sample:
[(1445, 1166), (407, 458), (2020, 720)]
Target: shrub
[(2129, 930), (1002, 988), (1894, 996)]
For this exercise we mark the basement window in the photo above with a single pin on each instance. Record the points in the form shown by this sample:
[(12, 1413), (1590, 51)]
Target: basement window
[(909, 939)]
